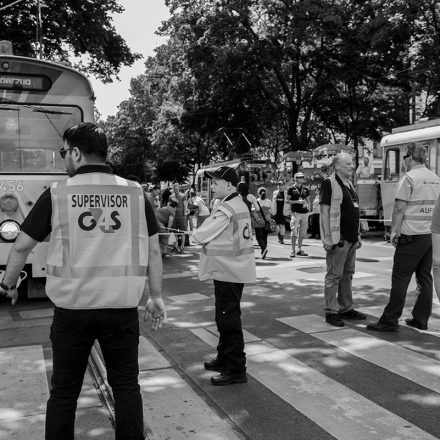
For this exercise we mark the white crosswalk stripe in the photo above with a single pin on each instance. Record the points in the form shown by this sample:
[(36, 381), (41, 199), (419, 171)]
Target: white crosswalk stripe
[(343, 413), (419, 369)]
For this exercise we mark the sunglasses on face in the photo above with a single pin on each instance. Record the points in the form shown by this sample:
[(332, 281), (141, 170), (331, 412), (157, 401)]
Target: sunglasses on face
[(63, 152), (406, 156)]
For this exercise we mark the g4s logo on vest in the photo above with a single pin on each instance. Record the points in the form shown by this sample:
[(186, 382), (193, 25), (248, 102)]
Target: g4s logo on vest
[(246, 232), (94, 217)]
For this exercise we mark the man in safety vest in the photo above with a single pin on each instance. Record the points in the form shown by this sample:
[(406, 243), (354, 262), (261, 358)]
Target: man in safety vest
[(416, 195), (103, 243), (228, 258), (339, 225)]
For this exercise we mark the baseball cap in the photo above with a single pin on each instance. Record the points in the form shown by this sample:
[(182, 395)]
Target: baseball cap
[(299, 174), (225, 173)]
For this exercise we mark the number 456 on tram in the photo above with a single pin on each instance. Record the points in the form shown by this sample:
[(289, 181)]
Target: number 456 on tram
[(38, 101)]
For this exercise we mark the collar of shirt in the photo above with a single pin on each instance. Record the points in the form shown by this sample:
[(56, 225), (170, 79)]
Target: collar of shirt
[(94, 168)]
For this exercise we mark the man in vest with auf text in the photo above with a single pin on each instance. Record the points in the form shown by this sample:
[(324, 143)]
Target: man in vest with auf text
[(103, 243), (417, 193), (228, 258)]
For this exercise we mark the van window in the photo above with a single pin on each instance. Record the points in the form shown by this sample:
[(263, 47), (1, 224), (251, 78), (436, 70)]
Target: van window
[(392, 165)]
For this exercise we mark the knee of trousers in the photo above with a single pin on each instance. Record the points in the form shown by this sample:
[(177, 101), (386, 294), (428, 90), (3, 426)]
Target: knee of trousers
[(228, 321)]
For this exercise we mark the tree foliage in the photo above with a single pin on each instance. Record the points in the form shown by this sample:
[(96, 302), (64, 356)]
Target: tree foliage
[(285, 75), (81, 28)]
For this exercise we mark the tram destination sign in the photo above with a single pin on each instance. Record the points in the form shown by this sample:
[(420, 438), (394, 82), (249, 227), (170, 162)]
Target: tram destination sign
[(11, 81)]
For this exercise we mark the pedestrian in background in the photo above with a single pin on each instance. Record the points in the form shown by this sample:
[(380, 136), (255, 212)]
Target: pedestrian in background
[(340, 237), (202, 211), (298, 198), (165, 218), (94, 297), (417, 193), (180, 218), (153, 193), (280, 210), (228, 258), (261, 233)]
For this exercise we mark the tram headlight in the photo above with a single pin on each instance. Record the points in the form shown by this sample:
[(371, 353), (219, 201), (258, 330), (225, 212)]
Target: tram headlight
[(9, 230)]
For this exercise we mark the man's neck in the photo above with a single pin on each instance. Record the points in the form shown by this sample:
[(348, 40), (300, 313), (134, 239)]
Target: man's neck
[(419, 165), (343, 179)]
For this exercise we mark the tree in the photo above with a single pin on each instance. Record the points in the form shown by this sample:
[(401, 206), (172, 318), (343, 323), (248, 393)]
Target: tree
[(70, 27)]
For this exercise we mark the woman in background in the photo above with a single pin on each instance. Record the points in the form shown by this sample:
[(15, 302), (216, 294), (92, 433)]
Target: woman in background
[(262, 233)]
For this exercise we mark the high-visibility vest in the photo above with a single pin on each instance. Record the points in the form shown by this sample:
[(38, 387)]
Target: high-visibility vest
[(98, 250), (425, 192), (335, 210), (230, 256)]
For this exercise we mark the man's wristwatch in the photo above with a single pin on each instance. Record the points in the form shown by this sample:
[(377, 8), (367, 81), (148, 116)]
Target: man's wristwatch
[(5, 287)]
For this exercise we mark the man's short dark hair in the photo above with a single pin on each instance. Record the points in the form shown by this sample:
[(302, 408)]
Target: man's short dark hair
[(418, 152), (88, 138)]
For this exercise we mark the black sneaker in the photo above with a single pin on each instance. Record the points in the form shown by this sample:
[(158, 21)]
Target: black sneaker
[(215, 365), (302, 254), (334, 319), (413, 323), (264, 253), (353, 314), (228, 378), (378, 327)]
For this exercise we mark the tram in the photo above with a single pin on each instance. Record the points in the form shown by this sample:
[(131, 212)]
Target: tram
[(38, 101), (393, 146), (255, 173)]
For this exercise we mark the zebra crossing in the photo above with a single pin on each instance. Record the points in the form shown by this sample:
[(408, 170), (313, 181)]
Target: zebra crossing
[(342, 412), (179, 403)]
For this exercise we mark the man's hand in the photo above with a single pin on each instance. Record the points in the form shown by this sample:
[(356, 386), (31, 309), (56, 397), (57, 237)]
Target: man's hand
[(394, 238), (155, 309), (13, 294), (327, 247)]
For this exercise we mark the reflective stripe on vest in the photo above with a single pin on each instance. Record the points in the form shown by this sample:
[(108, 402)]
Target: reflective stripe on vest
[(230, 255), (236, 250), (100, 240), (425, 186), (335, 211)]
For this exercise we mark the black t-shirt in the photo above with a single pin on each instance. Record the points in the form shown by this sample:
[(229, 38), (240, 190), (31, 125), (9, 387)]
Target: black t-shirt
[(297, 193), (349, 208), (38, 223)]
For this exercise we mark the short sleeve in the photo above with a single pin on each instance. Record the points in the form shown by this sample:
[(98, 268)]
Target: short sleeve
[(325, 197), (435, 226), (38, 223), (152, 225), (404, 189)]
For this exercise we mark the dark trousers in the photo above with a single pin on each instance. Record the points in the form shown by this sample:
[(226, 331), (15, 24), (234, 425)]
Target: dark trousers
[(314, 225), (413, 255), (73, 333), (261, 236), (230, 348)]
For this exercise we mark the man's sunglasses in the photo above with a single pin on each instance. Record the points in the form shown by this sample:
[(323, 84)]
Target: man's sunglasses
[(406, 156), (63, 152)]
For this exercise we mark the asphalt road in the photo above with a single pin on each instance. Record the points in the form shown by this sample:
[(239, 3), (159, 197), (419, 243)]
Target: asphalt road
[(307, 380)]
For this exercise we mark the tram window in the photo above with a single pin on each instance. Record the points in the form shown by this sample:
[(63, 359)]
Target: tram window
[(31, 136), (392, 165)]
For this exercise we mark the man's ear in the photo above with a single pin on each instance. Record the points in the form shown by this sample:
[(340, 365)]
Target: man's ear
[(77, 152)]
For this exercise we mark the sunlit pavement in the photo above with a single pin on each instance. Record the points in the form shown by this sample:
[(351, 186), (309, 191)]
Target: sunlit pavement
[(306, 379)]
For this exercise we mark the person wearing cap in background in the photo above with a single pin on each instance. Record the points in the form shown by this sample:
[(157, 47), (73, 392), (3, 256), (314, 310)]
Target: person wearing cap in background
[(298, 198), (228, 258)]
